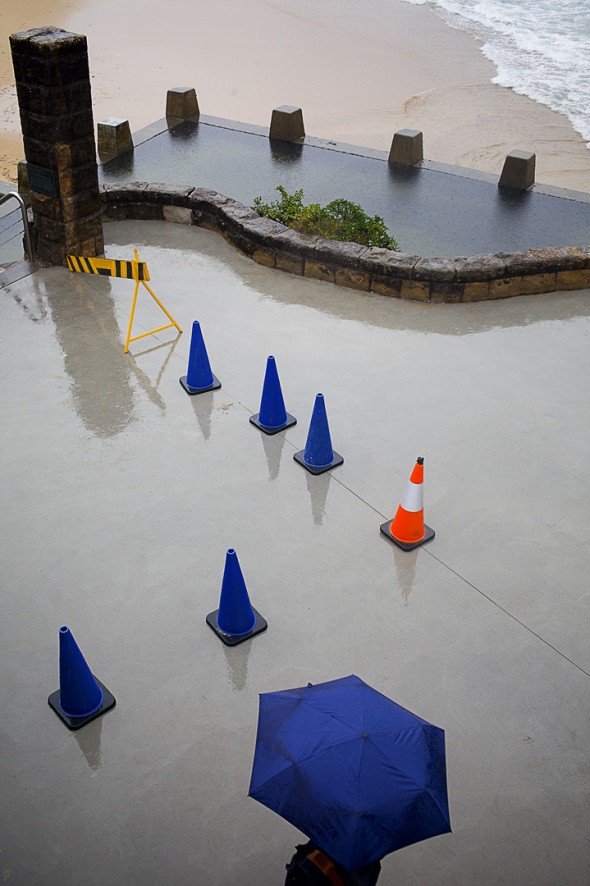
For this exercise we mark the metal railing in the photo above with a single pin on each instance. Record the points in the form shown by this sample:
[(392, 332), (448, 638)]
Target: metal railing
[(23, 209)]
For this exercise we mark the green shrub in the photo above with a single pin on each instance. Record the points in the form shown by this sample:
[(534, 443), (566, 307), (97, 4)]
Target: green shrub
[(338, 220), (285, 210)]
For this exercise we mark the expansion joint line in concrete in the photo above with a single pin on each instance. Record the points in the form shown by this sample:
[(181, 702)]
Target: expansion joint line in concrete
[(506, 612), (442, 563), (475, 588)]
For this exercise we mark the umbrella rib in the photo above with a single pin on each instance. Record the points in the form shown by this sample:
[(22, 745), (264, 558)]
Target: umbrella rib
[(274, 778), (343, 741), (444, 813), (312, 754), (340, 718)]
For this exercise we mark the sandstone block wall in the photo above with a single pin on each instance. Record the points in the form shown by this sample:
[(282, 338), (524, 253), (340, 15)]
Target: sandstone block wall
[(368, 269)]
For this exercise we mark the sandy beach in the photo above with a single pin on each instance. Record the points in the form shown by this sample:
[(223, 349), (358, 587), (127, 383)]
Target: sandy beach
[(360, 72)]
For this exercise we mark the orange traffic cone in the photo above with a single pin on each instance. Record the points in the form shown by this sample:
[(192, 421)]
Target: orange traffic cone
[(407, 529)]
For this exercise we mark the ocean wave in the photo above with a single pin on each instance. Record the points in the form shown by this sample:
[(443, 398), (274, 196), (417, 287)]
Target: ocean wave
[(540, 48)]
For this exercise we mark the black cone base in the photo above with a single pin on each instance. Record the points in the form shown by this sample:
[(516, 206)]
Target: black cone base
[(108, 703), (404, 545), (214, 387), (260, 625), (291, 420), (314, 469)]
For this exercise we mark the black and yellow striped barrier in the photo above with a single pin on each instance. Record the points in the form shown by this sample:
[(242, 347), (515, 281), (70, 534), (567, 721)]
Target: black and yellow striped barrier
[(130, 270), (109, 267)]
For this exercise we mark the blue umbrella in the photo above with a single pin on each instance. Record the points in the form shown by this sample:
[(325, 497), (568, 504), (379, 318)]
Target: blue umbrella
[(358, 774)]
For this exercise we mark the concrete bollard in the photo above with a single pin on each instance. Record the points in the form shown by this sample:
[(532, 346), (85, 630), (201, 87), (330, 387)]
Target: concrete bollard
[(181, 102), (407, 147), (518, 171), (286, 124), (113, 137)]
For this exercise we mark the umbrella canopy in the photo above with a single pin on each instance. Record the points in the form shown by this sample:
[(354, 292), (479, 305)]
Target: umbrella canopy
[(358, 774)]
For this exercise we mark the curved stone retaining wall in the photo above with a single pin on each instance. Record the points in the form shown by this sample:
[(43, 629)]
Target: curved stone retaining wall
[(369, 269)]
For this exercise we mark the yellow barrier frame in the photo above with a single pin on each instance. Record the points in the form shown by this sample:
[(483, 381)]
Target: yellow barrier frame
[(134, 270), (173, 322)]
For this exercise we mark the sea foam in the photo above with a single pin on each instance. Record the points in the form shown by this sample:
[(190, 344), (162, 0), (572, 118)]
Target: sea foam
[(540, 48)]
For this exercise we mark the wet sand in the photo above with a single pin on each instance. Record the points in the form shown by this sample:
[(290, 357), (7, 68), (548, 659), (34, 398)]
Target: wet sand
[(360, 72)]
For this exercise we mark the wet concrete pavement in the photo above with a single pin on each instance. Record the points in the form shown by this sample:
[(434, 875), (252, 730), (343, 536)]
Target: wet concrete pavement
[(121, 495), (433, 210)]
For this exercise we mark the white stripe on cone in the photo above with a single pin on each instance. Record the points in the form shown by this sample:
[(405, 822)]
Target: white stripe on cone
[(413, 498)]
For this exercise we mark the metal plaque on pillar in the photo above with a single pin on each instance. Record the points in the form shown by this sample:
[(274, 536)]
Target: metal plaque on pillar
[(42, 180)]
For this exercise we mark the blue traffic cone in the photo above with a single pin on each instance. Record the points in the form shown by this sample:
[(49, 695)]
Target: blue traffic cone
[(273, 417), (199, 377), (236, 619), (318, 455), (80, 697)]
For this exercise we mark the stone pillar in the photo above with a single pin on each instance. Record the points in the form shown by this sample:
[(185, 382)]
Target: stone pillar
[(407, 147), (518, 170), (55, 104), (286, 124)]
